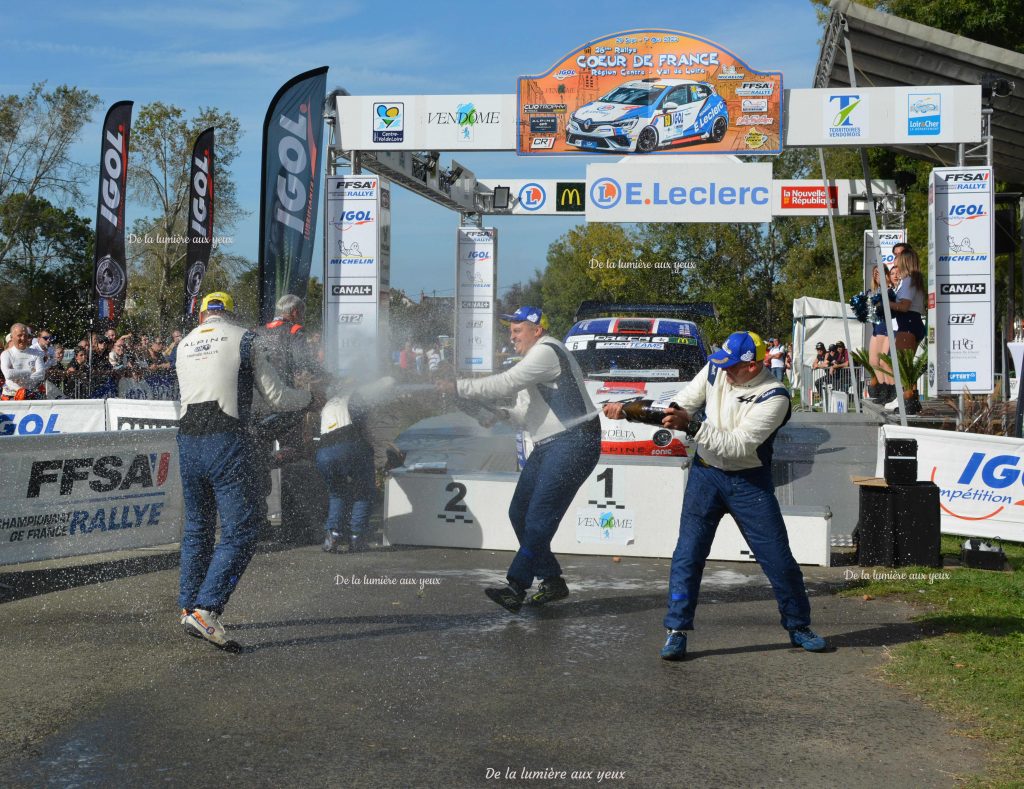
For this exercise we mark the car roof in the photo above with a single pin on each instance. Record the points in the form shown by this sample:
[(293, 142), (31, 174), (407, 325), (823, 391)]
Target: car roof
[(635, 325)]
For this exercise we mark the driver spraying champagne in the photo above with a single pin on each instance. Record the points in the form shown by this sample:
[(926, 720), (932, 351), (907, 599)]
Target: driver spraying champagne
[(554, 407)]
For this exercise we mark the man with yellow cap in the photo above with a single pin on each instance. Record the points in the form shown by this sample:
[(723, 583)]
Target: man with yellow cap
[(732, 473), (220, 370)]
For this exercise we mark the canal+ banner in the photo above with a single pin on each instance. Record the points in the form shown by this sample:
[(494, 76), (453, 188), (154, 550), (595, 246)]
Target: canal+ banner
[(708, 191)]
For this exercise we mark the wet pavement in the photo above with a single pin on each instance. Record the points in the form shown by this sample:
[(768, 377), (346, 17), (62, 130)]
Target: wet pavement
[(391, 668)]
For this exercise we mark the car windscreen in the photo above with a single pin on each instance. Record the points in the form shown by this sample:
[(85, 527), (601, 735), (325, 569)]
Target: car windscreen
[(639, 359), (626, 95)]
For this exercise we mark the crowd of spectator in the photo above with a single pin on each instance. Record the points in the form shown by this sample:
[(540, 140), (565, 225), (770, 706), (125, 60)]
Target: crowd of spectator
[(38, 365), (416, 360)]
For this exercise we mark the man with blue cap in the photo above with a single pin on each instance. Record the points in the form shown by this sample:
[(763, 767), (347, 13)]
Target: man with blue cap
[(732, 473), (552, 404)]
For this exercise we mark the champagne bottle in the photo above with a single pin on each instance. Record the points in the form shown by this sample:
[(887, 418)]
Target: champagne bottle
[(646, 411)]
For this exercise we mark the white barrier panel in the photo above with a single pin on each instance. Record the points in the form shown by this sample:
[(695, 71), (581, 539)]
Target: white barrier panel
[(623, 509), (981, 490), (142, 414), (50, 417), (89, 493)]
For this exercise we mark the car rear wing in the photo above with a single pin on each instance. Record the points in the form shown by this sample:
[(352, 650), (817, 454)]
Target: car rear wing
[(606, 309)]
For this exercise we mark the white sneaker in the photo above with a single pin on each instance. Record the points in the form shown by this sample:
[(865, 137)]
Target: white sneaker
[(893, 406), (206, 624)]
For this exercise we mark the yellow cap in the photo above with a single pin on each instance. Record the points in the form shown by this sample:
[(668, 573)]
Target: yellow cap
[(218, 301)]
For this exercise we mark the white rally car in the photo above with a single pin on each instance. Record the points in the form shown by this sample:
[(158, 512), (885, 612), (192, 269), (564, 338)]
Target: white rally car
[(645, 357), (647, 114)]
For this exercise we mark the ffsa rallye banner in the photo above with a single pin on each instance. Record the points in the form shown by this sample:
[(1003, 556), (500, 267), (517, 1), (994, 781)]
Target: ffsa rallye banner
[(292, 134), (88, 493), (110, 270), (651, 91)]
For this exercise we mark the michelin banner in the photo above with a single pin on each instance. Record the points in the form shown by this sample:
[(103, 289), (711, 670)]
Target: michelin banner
[(961, 266), (475, 292), (980, 479), (50, 418), (650, 91), (72, 495), (356, 252)]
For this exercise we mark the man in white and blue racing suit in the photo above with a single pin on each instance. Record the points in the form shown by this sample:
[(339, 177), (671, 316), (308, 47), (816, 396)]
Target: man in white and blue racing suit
[(554, 407), (731, 473), (220, 371)]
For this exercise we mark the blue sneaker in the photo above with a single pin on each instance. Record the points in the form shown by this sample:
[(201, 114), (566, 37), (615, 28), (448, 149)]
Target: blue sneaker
[(808, 639), (675, 646)]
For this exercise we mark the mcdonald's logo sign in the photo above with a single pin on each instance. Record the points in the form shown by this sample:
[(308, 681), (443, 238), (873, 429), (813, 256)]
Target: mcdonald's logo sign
[(571, 197)]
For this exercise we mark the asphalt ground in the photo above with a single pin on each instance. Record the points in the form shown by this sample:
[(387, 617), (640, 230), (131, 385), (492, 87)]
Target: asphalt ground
[(391, 668)]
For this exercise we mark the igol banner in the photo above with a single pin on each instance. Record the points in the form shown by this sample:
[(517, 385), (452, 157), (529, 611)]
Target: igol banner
[(292, 133), (110, 272), (200, 221)]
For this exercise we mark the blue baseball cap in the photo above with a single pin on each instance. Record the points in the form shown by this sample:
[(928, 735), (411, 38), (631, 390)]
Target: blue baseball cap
[(528, 314), (742, 346)]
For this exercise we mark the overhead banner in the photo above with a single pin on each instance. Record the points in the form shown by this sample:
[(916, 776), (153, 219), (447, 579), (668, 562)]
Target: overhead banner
[(650, 91), (71, 495), (981, 489), (292, 133), (900, 115), (541, 196), (454, 122), (475, 296), (808, 197), (357, 259), (110, 269), (200, 222), (50, 417), (961, 266), (726, 191)]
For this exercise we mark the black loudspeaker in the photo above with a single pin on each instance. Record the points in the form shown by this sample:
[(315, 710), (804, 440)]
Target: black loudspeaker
[(899, 525), (900, 465)]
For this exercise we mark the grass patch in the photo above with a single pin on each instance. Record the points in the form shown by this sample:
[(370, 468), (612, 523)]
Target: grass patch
[(973, 668)]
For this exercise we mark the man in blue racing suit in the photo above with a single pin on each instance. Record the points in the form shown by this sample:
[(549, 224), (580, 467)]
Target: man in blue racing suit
[(732, 473), (554, 407)]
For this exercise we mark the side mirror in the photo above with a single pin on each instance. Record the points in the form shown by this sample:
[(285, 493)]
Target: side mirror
[(670, 105)]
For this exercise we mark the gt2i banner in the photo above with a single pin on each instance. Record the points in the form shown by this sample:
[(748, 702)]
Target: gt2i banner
[(357, 239), (110, 271), (980, 479), (200, 222), (88, 493), (475, 290), (725, 192), (292, 132), (961, 267), (650, 91)]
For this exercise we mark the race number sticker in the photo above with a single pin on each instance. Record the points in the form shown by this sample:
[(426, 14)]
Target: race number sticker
[(454, 509)]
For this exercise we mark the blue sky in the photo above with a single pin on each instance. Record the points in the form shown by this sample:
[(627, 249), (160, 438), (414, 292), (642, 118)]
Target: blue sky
[(235, 56)]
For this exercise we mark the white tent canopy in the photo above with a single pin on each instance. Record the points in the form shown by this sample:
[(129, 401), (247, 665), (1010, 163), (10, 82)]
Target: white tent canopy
[(819, 320)]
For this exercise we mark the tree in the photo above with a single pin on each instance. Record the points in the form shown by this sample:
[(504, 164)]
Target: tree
[(47, 272), (161, 156), (36, 134)]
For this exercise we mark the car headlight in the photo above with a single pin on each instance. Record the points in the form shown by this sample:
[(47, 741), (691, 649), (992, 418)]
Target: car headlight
[(625, 125)]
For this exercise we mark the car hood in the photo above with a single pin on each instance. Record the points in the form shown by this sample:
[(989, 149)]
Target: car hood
[(606, 112)]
